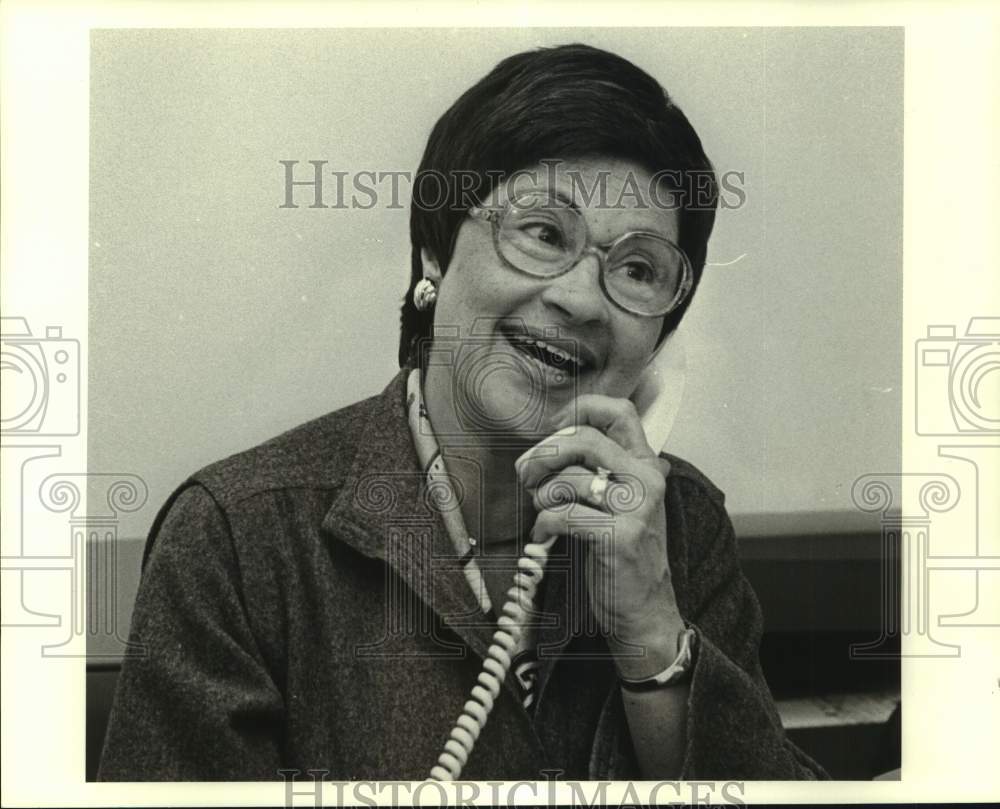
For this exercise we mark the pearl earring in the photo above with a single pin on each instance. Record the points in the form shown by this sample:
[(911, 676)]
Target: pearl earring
[(424, 294)]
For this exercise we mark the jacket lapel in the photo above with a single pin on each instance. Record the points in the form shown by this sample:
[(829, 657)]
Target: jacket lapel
[(383, 511)]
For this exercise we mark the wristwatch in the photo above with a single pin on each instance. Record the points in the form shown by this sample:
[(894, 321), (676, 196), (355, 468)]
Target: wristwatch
[(677, 672)]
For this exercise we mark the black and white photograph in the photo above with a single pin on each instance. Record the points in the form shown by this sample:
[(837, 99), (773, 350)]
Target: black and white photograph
[(478, 266), (486, 404)]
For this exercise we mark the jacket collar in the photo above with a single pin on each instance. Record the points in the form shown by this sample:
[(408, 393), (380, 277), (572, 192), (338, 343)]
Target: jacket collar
[(382, 510)]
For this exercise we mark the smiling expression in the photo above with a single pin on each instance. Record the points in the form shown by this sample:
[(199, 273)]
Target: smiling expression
[(535, 343)]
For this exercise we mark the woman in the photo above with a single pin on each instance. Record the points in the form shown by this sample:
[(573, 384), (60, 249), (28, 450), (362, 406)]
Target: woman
[(328, 599)]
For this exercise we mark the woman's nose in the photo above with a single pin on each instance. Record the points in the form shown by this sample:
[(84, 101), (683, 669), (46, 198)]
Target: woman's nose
[(577, 293)]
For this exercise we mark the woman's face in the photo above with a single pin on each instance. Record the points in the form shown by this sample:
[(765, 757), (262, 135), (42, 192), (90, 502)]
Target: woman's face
[(486, 311)]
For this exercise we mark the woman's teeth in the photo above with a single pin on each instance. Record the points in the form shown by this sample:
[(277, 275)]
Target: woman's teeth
[(562, 356), (546, 353)]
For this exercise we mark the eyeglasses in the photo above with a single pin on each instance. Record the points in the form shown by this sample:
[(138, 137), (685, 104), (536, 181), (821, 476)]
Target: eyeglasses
[(545, 237)]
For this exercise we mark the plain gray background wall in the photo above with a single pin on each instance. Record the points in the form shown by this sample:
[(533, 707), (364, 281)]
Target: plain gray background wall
[(218, 319)]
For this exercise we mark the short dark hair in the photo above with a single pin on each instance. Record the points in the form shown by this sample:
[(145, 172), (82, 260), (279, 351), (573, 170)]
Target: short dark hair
[(564, 102)]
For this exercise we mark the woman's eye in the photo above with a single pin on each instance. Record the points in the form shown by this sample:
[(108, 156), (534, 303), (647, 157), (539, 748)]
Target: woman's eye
[(639, 272), (547, 234)]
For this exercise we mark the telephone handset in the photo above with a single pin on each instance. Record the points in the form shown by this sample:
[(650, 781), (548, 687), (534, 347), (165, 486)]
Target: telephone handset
[(658, 395), (657, 399)]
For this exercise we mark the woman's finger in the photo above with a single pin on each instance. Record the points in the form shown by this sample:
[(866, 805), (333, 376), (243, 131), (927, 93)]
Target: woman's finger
[(580, 523), (618, 494), (586, 446), (615, 417)]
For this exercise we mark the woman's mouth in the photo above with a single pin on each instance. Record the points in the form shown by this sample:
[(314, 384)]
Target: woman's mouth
[(560, 362)]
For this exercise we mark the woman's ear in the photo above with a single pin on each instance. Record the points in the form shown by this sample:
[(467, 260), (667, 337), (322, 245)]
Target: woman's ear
[(432, 271)]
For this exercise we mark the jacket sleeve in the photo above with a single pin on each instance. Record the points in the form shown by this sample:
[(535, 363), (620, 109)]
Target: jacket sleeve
[(198, 703), (733, 727)]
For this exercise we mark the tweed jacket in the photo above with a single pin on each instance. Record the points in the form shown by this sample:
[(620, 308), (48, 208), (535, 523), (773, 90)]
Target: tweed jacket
[(301, 609)]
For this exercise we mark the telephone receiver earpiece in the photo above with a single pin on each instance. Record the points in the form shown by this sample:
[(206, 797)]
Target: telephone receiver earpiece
[(661, 387)]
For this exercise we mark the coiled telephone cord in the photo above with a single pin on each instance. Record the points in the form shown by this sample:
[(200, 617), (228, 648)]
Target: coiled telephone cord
[(461, 741)]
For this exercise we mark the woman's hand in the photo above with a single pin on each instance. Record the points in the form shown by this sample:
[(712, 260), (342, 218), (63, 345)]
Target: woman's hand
[(639, 611)]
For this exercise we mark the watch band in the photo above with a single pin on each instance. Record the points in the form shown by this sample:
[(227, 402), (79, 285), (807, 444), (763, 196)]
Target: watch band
[(677, 672)]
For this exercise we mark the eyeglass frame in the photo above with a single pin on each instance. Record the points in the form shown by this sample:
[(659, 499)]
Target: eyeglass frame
[(493, 214)]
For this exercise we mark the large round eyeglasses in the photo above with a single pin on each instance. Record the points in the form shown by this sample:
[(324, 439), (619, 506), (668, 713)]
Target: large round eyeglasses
[(544, 236)]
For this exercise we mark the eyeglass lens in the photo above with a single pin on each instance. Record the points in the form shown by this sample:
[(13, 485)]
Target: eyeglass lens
[(544, 236)]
